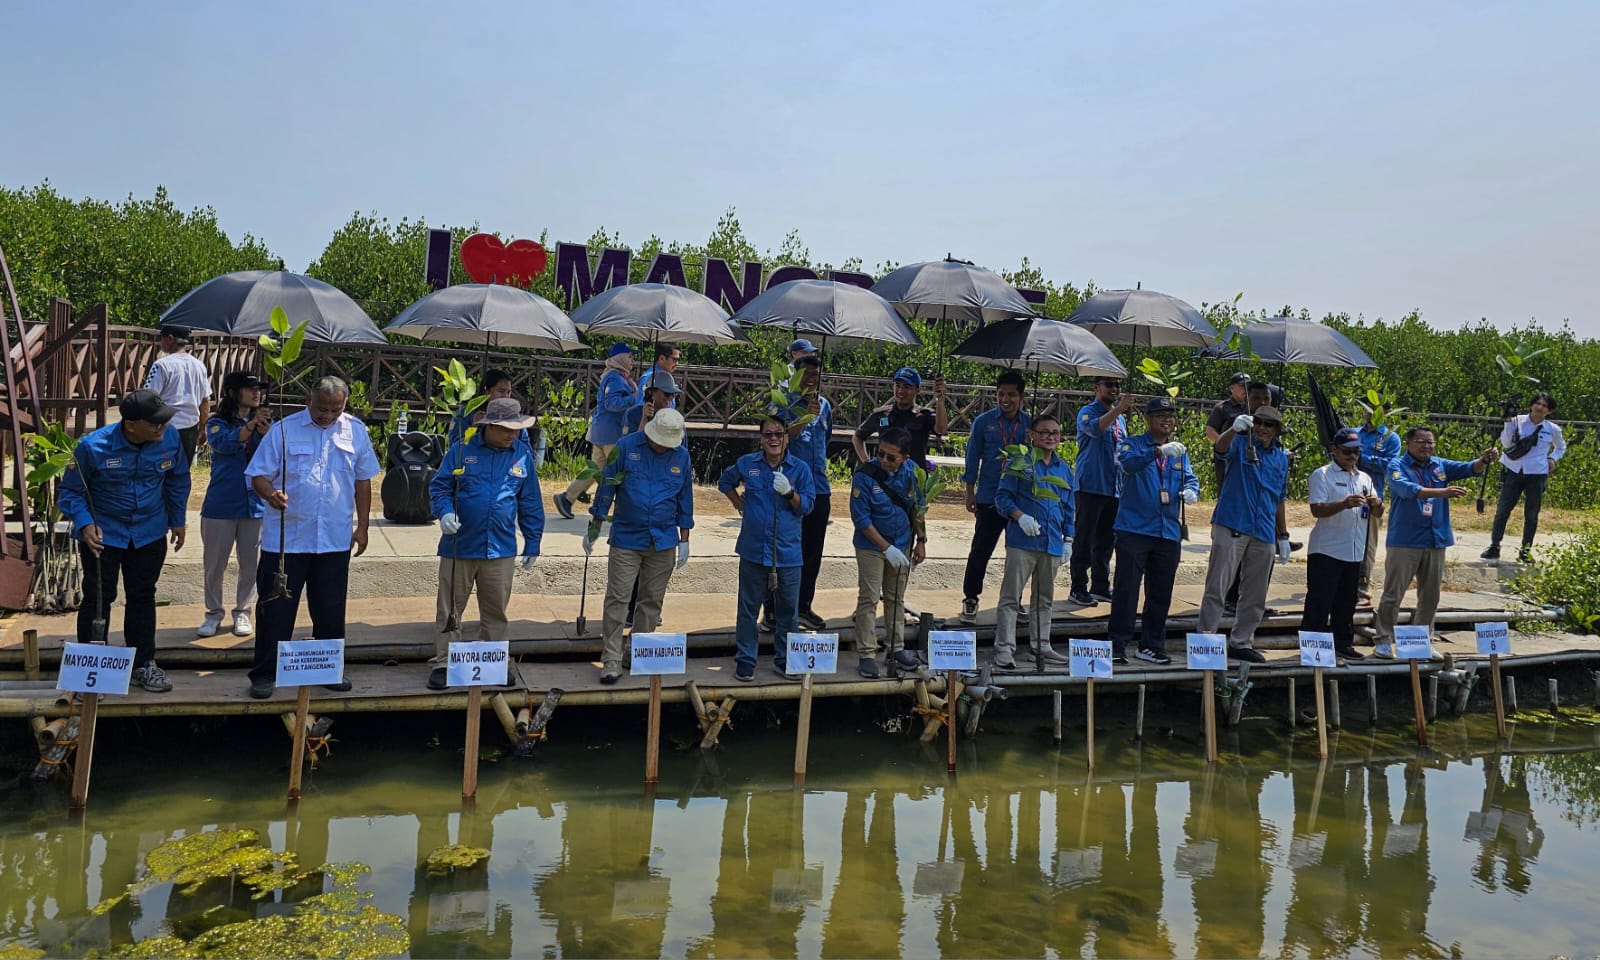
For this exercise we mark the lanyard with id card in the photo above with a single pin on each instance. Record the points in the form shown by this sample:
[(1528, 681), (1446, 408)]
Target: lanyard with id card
[(1424, 505)]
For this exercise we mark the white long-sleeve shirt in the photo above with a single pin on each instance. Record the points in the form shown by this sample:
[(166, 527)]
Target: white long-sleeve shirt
[(1550, 447)]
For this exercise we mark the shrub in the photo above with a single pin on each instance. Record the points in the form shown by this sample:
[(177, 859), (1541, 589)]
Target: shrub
[(1563, 575)]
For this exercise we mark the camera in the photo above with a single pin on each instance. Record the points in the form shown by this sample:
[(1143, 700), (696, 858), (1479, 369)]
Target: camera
[(1510, 408)]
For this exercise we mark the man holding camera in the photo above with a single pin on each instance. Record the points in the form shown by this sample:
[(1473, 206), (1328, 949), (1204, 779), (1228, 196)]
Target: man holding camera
[(1530, 446)]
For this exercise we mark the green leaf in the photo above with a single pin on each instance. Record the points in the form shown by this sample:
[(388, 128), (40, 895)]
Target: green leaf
[(780, 398), (291, 347), (779, 372), (268, 343), (804, 419), (1149, 365), (1055, 481), (1045, 493), (279, 321), (1505, 365)]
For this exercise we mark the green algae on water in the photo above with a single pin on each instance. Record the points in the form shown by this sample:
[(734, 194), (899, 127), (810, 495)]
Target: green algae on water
[(19, 951), (446, 860)]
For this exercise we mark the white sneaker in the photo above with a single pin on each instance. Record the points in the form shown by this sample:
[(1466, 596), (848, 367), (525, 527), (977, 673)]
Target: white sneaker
[(208, 627), (242, 627)]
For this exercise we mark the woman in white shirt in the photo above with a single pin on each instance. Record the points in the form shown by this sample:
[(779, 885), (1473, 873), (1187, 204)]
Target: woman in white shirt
[(1530, 446)]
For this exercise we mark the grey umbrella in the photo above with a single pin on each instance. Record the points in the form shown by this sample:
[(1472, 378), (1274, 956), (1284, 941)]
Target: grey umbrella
[(830, 310), (240, 304), (953, 290), (490, 314), (1043, 345), (1143, 318), (1291, 340), (656, 311)]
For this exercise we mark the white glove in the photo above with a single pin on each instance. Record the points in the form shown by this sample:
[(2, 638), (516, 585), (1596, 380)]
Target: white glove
[(1029, 525), (591, 533), (683, 554), (1190, 496), (1283, 550), (896, 557), (1173, 448), (527, 561), (1243, 422), (450, 524), (781, 485)]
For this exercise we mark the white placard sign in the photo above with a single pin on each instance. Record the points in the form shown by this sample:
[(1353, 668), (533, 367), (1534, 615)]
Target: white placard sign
[(310, 663), (95, 668), (812, 653), (952, 650), (1494, 639), (1316, 649), (656, 654), (481, 663), (1412, 643), (1207, 651), (1089, 658)]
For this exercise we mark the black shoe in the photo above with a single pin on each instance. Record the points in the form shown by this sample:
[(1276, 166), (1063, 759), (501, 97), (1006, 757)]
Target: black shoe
[(343, 686), (1104, 596), (1153, 656), (437, 678), (610, 673), (1118, 660), (1230, 609), (769, 625), (1082, 598), (903, 663), (1295, 545), (1525, 555), (1348, 653), (1493, 553), (810, 620), (261, 689), (563, 505), (1247, 654), (868, 668)]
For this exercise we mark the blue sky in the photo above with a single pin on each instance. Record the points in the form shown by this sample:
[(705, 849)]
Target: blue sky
[(1372, 158)]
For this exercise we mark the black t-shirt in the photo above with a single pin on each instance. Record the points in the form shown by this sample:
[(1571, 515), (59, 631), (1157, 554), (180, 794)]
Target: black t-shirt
[(917, 420), (1221, 419)]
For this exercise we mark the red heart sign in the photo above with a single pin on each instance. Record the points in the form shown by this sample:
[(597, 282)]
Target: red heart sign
[(487, 260)]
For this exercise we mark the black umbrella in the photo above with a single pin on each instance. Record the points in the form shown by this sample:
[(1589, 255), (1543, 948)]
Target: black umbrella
[(240, 304), (490, 314), (657, 311), (1290, 340), (1043, 344), (830, 310), (953, 290), (1143, 318), (1327, 417)]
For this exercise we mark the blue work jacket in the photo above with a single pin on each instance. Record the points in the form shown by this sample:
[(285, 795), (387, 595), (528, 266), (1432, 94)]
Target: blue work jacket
[(1145, 473), (1251, 492), (493, 492), (870, 506), (991, 431), (810, 445), (1407, 526), (1097, 451), (139, 491), (1054, 516), (654, 499), (1379, 445), (771, 523), (616, 396), (644, 386), (228, 495)]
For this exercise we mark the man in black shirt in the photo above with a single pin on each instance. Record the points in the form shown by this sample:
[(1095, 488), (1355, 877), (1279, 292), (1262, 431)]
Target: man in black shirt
[(904, 413), (1220, 420)]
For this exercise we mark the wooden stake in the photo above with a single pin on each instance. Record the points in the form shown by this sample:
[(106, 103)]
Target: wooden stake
[(469, 768), (1433, 697), (1335, 715), (802, 737), (1511, 693), (1372, 698), (80, 766), (297, 753), (1138, 717), (1208, 702), (30, 654), (1499, 702), (1294, 719), (1555, 696), (652, 746), (1055, 712), (1322, 723), (951, 692), (1091, 724), (502, 712), (1416, 697)]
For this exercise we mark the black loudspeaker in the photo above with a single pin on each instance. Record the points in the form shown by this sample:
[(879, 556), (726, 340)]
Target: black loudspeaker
[(413, 462), (437, 268)]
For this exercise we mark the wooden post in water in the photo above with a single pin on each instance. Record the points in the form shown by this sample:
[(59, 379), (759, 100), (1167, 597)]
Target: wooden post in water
[(1138, 717), (1555, 696), (469, 766), (1511, 693), (1208, 701), (1055, 712), (1335, 718), (1499, 702), (652, 747), (1416, 697), (297, 753), (85, 760), (951, 692), (802, 737), (1090, 736), (1322, 719), (1294, 718), (30, 654), (1372, 698)]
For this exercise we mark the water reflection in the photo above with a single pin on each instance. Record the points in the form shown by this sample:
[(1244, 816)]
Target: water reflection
[(1157, 855)]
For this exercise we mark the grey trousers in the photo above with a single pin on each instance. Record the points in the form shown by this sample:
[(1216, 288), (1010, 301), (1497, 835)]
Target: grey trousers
[(457, 578), (1021, 567), (652, 569), (1234, 554), (877, 578), (1374, 535), (218, 539), (1402, 565)]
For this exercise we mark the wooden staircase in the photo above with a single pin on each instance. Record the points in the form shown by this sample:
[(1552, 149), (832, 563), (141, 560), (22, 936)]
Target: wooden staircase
[(20, 413)]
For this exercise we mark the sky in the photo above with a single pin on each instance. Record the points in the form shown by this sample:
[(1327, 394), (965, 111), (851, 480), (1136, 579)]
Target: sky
[(1371, 158)]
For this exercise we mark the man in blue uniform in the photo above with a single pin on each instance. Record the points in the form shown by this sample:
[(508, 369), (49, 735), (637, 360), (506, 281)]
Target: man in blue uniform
[(666, 361), (660, 394), (1101, 426), (1419, 529), (1379, 445), (126, 491), (776, 494), (617, 394), (1038, 514), (487, 490), (1004, 426), (1157, 482), (884, 502), (808, 443), (1249, 519), (652, 483)]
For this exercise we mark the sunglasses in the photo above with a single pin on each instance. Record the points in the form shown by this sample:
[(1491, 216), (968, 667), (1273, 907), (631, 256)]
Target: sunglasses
[(773, 434)]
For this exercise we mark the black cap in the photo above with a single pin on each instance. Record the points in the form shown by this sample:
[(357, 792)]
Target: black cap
[(145, 405), (176, 332), (240, 380), (1240, 377), (1160, 405)]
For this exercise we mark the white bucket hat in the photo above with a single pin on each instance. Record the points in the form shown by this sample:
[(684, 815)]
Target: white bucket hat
[(665, 428)]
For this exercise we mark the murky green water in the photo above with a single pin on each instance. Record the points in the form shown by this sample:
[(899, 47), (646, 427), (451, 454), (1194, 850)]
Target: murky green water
[(1384, 851)]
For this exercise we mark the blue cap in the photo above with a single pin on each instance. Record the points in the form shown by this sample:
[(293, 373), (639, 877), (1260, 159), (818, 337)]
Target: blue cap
[(802, 344), (1346, 437), (617, 349), (909, 376)]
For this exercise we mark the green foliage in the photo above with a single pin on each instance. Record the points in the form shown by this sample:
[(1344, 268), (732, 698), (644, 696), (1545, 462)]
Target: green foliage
[(783, 389), (380, 264), (1020, 459), (1515, 357), (1169, 376), (458, 390), (1379, 404), (592, 472), (281, 349), (1563, 574), (443, 861)]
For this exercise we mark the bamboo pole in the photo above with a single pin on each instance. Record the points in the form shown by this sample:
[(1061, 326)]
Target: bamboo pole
[(652, 747), (81, 766), (1091, 724), (1416, 696), (524, 720), (802, 739), (950, 717), (698, 703), (502, 712), (297, 754), (1055, 711), (30, 654), (469, 768), (1499, 699), (1208, 701), (1322, 720)]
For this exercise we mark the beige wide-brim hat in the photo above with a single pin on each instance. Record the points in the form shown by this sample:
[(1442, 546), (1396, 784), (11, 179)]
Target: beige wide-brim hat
[(505, 412), (665, 428)]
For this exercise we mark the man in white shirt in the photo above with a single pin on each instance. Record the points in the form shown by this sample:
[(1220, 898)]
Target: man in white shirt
[(184, 383), (1530, 445), (1342, 499), (314, 469)]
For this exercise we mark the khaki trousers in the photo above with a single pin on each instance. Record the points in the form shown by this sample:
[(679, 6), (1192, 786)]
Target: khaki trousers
[(877, 578), (219, 538), (597, 455), (1021, 567), (1251, 561), (1374, 534), (1402, 565), (457, 578), (652, 569)]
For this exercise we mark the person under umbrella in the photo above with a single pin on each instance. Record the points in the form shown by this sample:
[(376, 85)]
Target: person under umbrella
[(661, 393), (667, 357), (617, 394), (1005, 425), (1220, 420), (1101, 427), (1038, 531), (904, 413), (884, 501), (1342, 499), (230, 517), (1379, 445), (808, 443)]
